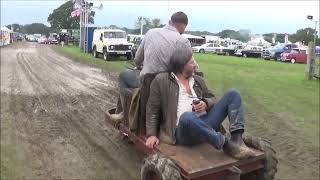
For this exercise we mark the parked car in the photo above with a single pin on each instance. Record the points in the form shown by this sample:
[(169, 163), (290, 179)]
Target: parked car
[(111, 42), (43, 40), (31, 38), (275, 52), (208, 47), (295, 56), (231, 50), (136, 43), (251, 51), (317, 50), (52, 40), (20, 38), (37, 37)]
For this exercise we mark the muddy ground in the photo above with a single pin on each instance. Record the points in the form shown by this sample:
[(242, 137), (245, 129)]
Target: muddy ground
[(52, 112)]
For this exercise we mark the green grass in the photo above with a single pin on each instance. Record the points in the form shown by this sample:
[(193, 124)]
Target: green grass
[(267, 86), (280, 105), (115, 65)]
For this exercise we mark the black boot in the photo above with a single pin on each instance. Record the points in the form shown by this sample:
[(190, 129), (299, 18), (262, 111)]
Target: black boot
[(236, 137)]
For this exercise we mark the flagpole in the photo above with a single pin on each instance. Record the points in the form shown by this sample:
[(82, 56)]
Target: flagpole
[(141, 31), (80, 22)]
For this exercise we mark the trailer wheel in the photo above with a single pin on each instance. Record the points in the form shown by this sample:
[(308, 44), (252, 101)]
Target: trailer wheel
[(158, 167), (270, 162)]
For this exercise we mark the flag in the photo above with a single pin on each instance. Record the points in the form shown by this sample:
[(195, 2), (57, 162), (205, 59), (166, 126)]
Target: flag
[(76, 12)]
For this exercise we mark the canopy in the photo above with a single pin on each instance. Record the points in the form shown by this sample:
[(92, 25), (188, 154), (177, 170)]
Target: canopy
[(4, 28), (190, 36), (258, 41)]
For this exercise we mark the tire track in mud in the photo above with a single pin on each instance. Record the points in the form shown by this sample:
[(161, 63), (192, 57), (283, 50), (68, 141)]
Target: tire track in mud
[(284, 139), (76, 118), (100, 93)]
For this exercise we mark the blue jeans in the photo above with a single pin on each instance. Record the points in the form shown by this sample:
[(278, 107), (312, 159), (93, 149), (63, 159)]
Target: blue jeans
[(193, 129), (128, 78)]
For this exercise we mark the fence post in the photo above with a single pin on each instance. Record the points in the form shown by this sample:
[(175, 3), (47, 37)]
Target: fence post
[(310, 61)]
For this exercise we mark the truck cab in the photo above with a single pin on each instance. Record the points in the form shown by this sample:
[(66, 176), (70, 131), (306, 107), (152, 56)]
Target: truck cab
[(276, 51), (111, 42)]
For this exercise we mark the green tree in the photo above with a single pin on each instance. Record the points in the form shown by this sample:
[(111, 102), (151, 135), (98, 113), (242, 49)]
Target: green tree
[(306, 35), (36, 28), (15, 27), (61, 18), (155, 23), (268, 37), (146, 24), (242, 35)]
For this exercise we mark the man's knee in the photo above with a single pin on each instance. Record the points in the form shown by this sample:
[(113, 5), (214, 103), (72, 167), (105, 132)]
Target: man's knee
[(233, 93), (127, 79), (125, 74)]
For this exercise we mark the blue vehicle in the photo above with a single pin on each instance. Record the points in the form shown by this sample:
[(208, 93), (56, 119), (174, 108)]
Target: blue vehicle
[(275, 52), (317, 49)]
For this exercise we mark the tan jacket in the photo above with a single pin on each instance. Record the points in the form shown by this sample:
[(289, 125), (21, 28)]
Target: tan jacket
[(161, 112)]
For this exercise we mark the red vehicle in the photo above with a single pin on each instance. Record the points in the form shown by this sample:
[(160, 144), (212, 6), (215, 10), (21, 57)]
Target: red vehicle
[(295, 56), (200, 162)]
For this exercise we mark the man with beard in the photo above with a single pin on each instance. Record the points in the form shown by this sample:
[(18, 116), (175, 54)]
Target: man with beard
[(182, 110)]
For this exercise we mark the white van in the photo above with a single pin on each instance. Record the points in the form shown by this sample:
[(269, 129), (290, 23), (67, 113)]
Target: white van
[(111, 42)]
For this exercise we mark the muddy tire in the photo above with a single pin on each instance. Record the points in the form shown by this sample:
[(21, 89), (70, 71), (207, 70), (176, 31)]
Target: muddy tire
[(157, 166), (245, 55), (106, 55), (201, 51), (94, 52), (270, 163), (129, 56)]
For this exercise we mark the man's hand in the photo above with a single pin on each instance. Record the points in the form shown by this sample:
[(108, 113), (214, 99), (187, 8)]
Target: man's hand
[(151, 141), (200, 107)]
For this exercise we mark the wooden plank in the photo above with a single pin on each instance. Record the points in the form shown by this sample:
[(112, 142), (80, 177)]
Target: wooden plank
[(203, 158)]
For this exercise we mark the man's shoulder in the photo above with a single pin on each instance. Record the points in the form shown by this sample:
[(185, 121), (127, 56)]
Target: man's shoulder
[(162, 76), (154, 31)]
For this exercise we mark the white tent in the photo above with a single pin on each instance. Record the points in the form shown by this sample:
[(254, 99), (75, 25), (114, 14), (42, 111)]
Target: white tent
[(194, 40), (5, 35), (190, 36), (4, 28), (210, 38), (259, 42)]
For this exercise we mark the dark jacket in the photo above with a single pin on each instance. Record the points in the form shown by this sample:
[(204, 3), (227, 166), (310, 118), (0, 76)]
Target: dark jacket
[(161, 112)]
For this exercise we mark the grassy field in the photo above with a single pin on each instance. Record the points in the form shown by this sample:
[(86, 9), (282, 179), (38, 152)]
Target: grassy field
[(280, 105), (75, 53)]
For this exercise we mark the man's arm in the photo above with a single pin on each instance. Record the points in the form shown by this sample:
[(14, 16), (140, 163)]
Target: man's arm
[(153, 114), (139, 57), (153, 109)]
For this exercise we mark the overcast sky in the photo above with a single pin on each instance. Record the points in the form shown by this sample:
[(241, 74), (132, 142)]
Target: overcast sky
[(214, 16)]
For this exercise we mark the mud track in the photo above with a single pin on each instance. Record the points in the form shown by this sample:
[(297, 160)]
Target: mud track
[(52, 112)]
